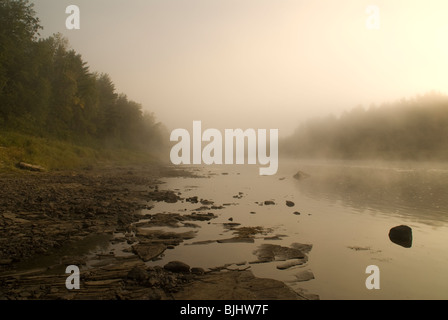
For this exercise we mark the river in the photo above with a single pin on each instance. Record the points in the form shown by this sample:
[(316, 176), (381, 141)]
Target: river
[(346, 211)]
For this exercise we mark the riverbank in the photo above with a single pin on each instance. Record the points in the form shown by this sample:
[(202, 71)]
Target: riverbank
[(50, 220)]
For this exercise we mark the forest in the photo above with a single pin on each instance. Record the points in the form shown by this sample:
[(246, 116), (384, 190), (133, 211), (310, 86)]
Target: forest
[(47, 90), (409, 129)]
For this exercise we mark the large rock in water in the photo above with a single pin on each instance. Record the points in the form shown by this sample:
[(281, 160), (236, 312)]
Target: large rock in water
[(401, 235), (300, 175)]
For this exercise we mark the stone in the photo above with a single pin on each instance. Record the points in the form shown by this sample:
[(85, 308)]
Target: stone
[(291, 263), (304, 275), (290, 203), (300, 175), (177, 267), (199, 271), (236, 285), (236, 240), (164, 196), (138, 274), (149, 251), (305, 248), (160, 234), (30, 167), (269, 203), (272, 252), (401, 235)]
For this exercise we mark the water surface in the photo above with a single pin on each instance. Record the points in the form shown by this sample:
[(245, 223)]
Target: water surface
[(346, 212)]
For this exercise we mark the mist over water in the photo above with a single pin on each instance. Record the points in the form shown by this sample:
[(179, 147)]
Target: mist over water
[(345, 209)]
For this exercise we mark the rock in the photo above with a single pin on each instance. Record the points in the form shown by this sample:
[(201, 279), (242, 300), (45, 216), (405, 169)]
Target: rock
[(162, 235), (297, 213), (138, 274), (237, 240), (236, 285), (192, 199), (304, 275), (235, 267), (292, 263), (198, 271), (177, 267), (202, 208), (272, 238), (305, 248), (200, 217), (269, 203), (290, 203), (231, 225), (300, 175), (165, 196), (30, 167), (201, 242), (271, 252), (401, 235), (147, 252)]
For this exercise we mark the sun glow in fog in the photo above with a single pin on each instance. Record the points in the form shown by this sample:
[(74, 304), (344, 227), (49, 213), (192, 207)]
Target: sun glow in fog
[(261, 63)]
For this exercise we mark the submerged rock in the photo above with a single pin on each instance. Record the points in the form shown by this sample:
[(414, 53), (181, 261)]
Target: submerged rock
[(292, 263), (401, 235), (271, 252), (304, 275), (301, 175)]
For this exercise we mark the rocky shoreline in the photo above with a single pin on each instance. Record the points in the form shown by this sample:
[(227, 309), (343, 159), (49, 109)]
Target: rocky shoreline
[(48, 221)]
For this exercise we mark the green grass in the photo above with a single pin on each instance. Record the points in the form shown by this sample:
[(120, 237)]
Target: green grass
[(54, 154)]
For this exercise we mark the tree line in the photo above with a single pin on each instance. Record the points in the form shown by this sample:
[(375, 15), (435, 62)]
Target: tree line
[(46, 88), (409, 129)]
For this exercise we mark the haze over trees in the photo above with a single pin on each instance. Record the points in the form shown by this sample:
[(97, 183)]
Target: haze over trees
[(410, 129), (47, 89)]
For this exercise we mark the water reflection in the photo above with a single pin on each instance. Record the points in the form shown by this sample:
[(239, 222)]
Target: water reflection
[(419, 194)]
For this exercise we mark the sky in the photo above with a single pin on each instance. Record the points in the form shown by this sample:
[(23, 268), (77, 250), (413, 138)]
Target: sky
[(268, 64)]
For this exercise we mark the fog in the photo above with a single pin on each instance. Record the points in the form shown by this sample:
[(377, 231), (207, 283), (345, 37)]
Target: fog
[(258, 63)]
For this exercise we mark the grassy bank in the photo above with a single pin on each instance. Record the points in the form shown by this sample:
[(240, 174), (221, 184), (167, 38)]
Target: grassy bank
[(54, 154)]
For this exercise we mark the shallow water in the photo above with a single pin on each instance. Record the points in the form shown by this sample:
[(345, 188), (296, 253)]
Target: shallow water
[(346, 212)]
